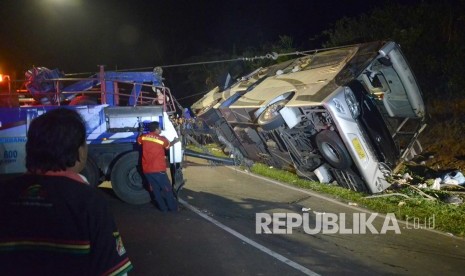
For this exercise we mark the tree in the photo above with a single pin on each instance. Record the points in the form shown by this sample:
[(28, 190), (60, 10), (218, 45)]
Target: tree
[(431, 35), (217, 64)]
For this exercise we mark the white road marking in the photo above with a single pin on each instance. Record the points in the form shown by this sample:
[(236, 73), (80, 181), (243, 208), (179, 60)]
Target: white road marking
[(260, 247)]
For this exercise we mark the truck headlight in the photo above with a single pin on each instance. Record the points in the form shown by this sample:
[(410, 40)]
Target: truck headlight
[(352, 103)]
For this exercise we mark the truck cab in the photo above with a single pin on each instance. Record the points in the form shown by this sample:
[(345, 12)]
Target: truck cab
[(116, 106)]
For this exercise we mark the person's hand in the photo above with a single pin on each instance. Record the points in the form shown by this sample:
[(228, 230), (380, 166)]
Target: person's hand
[(175, 140)]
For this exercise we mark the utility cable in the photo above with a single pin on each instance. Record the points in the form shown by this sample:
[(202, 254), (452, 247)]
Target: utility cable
[(272, 56)]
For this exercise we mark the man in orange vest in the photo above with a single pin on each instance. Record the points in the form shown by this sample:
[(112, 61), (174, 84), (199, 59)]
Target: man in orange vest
[(154, 166)]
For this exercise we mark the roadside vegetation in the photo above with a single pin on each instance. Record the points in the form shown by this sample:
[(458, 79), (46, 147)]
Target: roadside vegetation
[(403, 199), (432, 37)]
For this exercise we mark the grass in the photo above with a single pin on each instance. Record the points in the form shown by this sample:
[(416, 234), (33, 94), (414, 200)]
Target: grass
[(449, 218), (210, 148)]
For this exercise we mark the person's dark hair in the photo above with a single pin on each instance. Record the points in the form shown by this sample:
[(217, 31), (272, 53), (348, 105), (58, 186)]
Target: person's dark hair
[(154, 126), (53, 140)]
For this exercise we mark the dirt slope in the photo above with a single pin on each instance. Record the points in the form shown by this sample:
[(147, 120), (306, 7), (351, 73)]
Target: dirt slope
[(443, 140)]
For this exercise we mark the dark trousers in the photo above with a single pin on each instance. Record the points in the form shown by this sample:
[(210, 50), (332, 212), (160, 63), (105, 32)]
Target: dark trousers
[(162, 191)]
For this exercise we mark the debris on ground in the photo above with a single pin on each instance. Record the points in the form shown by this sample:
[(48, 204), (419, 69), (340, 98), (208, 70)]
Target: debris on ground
[(426, 189), (453, 199), (436, 184), (407, 177), (388, 195), (446, 180), (454, 177)]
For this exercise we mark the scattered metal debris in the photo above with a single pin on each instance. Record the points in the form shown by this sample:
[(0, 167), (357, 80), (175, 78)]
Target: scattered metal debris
[(388, 195), (454, 177)]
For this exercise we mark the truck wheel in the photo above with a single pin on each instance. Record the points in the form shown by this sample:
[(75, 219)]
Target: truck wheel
[(179, 181), (91, 172), (270, 118), (127, 181), (333, 150)]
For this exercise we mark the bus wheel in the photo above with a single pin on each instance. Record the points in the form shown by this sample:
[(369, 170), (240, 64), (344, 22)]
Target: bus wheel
[(333, 149)]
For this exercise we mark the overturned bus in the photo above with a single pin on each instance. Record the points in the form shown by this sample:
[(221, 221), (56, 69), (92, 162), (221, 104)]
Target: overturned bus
[(350, 114)]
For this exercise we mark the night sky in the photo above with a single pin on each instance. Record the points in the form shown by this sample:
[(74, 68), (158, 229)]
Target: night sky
[(78, 35)]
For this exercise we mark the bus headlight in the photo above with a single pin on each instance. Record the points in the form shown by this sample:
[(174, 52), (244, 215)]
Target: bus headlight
[(352, 102)]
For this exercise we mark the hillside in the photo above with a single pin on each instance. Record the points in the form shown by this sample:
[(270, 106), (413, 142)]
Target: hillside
[(443, 140)]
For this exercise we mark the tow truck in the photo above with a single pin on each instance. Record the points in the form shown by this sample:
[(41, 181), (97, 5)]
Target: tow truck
[(116, 106)]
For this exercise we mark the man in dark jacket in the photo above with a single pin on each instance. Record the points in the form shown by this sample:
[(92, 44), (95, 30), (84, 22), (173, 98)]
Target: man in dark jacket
[(53, 222)]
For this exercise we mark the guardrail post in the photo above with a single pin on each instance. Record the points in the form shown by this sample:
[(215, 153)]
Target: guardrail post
[(58, 98), (102, 84)]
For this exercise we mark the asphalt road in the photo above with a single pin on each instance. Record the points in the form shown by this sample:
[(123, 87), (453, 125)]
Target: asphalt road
[(215, 233)]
